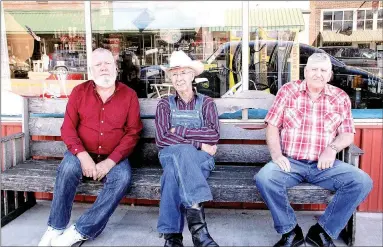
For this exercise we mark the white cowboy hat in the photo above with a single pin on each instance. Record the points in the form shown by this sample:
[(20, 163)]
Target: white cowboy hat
[(179, 59)]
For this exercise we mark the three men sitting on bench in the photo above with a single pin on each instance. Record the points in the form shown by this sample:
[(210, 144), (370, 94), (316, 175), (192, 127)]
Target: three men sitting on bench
[(308, 124)]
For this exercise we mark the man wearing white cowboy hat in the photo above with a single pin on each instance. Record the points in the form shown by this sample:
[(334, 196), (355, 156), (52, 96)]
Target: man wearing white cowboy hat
[(187, 131)]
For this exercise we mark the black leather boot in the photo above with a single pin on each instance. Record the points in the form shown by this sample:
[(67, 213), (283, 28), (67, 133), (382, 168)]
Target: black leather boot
[(293, 238), (318, 237), (173, 240), (198, 228)]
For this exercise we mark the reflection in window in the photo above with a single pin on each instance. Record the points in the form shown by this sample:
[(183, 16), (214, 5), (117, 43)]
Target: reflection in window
[(380, 19), (143, 35), (274, 49), (364, 19), (43, 44), (337, 20)]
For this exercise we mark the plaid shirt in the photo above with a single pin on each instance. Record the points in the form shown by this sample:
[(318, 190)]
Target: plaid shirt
[(307, 127)]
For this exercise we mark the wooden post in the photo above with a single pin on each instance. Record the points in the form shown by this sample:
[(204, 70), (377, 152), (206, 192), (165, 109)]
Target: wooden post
[(25, 129)]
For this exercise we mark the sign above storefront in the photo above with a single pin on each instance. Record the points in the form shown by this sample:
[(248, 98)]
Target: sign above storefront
[(143, 20)]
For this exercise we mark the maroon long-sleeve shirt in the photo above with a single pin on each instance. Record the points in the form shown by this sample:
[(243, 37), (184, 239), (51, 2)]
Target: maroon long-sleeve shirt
[(111, 128), (209, 134)]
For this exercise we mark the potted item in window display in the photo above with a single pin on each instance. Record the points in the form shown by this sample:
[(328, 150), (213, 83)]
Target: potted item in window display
[(21, 71)]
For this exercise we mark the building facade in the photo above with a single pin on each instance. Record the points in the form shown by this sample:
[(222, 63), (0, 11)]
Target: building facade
[(346, 23), (47, 44)]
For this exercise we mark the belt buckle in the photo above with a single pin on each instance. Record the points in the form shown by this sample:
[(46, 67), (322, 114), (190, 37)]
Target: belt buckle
[(98, 158)]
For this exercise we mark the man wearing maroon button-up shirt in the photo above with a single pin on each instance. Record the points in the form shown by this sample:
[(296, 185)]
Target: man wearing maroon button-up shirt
[(101, 127)]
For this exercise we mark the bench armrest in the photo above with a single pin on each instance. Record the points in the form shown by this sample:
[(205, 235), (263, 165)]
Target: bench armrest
[(13, 150), (351, 155)]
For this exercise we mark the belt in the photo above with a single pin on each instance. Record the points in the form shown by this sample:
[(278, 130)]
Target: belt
[(98, 157)]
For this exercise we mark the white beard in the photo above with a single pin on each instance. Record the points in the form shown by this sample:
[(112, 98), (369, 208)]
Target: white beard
[(105, 81)]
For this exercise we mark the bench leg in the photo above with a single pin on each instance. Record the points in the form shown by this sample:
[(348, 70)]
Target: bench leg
[(14, 203), (348, 233)]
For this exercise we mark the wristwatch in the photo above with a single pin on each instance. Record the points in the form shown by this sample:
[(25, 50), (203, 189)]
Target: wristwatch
[(334, 147)]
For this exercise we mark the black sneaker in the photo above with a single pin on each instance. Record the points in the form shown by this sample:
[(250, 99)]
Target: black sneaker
[(318, 237), (292, 239)]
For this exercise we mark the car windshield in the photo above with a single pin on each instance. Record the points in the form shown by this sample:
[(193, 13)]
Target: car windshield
[(368, 53), (334, 60)]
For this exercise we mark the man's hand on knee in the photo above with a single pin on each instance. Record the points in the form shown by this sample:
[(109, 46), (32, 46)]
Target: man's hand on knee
[(104, 167), (87, 165), (326, 159), (210, 149), (283, 163)]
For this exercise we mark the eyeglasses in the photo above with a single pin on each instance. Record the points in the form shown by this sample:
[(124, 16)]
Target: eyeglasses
[(175, 74)]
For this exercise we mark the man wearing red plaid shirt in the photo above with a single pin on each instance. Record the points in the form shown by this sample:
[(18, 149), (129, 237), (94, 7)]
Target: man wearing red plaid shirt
[(308, 124)]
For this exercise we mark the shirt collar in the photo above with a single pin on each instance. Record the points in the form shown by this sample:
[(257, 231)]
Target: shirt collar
[(179, 97), (327, 89)]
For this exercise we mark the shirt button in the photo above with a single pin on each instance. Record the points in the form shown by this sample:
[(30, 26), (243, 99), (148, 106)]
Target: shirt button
[(102, 121), (102, 108), (99, 146), (75, 149), (101, 133)]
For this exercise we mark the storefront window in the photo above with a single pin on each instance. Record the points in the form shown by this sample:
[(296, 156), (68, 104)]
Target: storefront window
[(142, 36), (380, 19), (337, 20), (274, 47), (45, 41), (364, 19)]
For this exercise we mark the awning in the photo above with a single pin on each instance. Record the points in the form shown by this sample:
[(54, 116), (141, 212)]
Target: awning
[(116, 21), (46, 21), (266, 19), (356, 36)]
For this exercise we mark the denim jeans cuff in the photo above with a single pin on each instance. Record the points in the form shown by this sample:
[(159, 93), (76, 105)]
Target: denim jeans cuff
[(283, 230), (209, 198), (85, 236), (327, 231), (56, 228), (167, 231)]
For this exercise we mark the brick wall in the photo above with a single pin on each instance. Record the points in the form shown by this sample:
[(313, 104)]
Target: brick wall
[(317, 6)]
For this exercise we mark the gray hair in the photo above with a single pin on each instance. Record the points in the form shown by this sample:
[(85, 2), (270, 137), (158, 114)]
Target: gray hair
[(318, 58), (102, 50)]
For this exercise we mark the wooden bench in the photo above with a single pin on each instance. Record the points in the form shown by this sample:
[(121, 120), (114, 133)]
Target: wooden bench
[(241, 153)]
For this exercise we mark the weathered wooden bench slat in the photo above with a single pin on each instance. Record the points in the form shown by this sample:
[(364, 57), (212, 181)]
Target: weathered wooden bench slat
[(229, 131), (225, 183), (148, 106), (243, 153)]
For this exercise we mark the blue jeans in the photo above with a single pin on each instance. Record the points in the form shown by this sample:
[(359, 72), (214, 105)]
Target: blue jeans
[(350, 184), (183, 183), (93, 221)]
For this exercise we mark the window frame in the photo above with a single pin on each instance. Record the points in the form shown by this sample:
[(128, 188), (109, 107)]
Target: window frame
[(374, 19), (332, 21)]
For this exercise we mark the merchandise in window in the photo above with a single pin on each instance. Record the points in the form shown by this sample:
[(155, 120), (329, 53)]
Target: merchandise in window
[(143, 35), (43, 45)]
